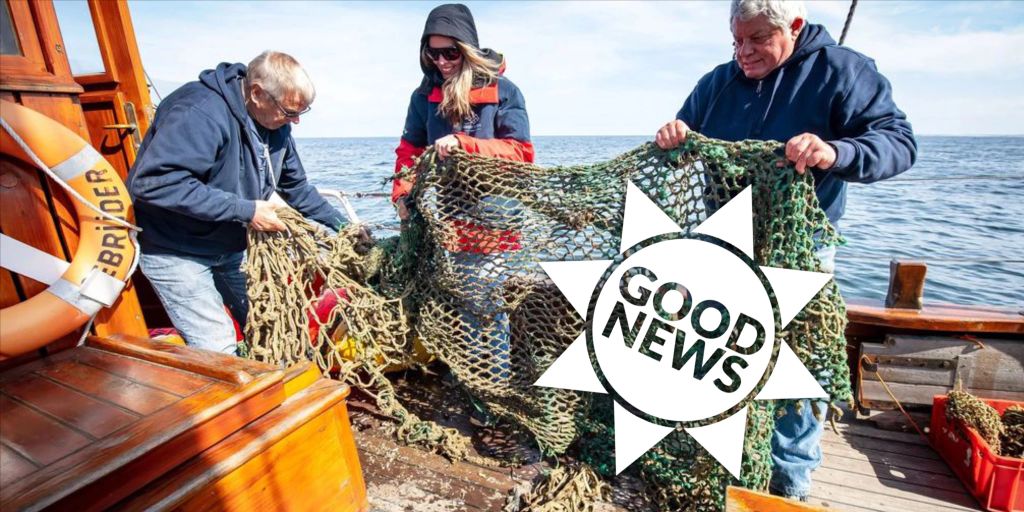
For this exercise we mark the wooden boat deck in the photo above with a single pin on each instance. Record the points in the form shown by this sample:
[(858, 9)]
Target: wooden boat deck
[(864, 469)]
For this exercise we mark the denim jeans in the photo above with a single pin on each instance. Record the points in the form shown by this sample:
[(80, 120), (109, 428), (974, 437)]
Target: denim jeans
[(488, 331), (796, 442), (483, 276), (194, 291)]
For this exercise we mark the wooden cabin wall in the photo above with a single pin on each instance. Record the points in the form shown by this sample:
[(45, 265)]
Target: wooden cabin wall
[(35, 210)]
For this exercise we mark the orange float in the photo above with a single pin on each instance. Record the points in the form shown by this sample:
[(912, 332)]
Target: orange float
[(107, 252)]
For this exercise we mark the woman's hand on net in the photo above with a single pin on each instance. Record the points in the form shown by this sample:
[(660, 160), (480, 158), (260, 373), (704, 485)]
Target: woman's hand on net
[(445, 145)]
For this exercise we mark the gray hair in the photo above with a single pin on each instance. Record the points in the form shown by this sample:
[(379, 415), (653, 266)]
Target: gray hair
[(780, 13), (278, 74)]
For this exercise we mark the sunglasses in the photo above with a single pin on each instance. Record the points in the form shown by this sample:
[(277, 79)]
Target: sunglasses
[(450, 53), (285, 112)]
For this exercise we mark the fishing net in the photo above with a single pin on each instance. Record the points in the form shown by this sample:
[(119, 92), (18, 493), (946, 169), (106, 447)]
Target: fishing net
[(967, 410), (315, 297), (1012, 440), (463, 279)]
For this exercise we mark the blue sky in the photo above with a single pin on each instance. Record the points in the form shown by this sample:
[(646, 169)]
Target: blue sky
[(590, 68)]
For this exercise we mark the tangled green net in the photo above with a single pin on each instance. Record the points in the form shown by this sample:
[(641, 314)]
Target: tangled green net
[(478, 228)]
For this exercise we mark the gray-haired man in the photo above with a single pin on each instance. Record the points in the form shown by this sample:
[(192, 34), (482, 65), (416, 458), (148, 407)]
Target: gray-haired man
[(789, 81), (217, 150)]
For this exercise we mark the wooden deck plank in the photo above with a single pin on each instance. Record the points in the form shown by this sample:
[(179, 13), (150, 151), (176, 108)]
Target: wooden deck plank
[(890, 472), (386, 470), (903, 449), (864, 429), (841, 497), (894, 489), (886, 458), (464, 471)]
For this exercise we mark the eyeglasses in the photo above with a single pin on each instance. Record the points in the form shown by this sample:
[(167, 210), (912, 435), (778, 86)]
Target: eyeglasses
[(285, 112), (755, 40), (450, 53)]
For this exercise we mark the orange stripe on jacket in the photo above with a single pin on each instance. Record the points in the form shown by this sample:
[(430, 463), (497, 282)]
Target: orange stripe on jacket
[(407, 154), (480, 96)]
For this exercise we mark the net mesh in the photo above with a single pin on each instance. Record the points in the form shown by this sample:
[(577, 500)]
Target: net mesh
[(463, 281)]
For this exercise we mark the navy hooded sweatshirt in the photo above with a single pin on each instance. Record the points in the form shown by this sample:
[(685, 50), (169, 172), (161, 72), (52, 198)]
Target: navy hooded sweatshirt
[(201, 168), (824, 89)]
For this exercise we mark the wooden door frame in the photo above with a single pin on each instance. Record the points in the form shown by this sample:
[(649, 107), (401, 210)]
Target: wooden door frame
[(122, 62), (43, 65)]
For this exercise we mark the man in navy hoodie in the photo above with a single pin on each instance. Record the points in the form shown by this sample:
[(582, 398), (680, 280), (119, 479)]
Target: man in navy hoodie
[(790, 81), (217, 150)]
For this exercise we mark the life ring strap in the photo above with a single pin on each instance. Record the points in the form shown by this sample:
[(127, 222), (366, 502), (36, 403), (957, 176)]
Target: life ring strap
[(99, 289), (75, 165)]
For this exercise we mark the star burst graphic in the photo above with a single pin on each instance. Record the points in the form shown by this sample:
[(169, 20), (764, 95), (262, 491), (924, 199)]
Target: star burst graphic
[(681, 329)]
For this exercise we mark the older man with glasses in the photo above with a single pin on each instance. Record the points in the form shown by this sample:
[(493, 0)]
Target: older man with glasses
[(216, 152), (789, 81)]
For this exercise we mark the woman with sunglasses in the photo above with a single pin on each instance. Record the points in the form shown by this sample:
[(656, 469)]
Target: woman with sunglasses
[(464, 101)]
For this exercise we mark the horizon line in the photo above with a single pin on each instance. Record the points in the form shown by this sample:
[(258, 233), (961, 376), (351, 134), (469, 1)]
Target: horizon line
[(986, 135)]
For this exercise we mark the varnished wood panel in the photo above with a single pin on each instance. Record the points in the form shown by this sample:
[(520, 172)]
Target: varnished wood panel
[(738, 499), (98, 473), (103, 109), (26, 215), (948, 318), (171, 380), (86, 414), (43, 67), (13, 466), (32, 433), (299, 445), (116, 38), (135, 397), (8, 291), (215, 365)]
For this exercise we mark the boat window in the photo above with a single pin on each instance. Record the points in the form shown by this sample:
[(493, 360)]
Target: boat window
[(76, 26), (8, 39)]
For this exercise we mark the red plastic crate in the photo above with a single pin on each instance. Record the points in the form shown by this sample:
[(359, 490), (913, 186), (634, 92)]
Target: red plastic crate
[(996, 482)]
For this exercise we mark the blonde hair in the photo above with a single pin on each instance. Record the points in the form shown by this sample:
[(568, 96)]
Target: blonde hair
[(278, 74), (456, 106)]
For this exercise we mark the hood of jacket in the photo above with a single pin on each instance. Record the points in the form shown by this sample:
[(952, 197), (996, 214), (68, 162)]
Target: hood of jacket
[(226, 81), (454, 21), (451, 20)]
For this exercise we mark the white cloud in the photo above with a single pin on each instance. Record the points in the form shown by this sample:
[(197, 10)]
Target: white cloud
[(585, 67)]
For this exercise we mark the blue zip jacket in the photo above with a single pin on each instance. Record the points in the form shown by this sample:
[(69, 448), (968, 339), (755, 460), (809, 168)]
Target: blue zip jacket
[(202, 166), (824, 89), (500, 114)]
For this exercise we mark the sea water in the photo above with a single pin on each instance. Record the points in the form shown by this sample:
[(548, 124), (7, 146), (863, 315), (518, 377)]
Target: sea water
[(960, 209)]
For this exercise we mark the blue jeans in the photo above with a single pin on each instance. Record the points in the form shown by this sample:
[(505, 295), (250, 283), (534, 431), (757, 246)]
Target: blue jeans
[(796, 442), (488, 334), (194, 291), (488, 331)]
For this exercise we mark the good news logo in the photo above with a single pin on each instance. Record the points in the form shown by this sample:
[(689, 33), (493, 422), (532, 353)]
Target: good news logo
[(681, 329)]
